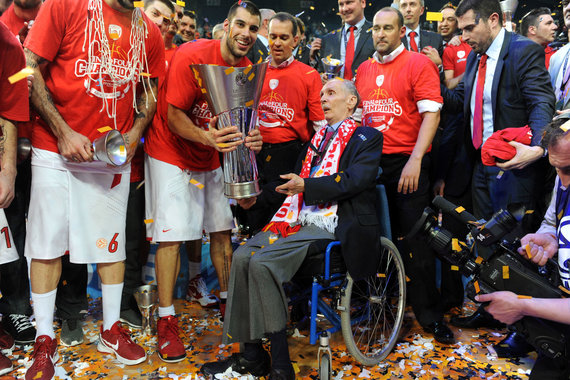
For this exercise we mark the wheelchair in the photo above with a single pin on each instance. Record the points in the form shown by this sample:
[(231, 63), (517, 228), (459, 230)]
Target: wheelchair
[(371, 310)]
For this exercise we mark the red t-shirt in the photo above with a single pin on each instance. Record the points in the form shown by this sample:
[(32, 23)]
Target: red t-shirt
[(58, 35), (548, 52), (455, 58), (182, 91), (14, 104), (289, 100), (13, 22), (389, 94)]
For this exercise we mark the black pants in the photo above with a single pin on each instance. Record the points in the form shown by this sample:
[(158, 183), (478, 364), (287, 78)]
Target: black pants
[(136, 246), (14, 282), (272, 161), (419, 260)]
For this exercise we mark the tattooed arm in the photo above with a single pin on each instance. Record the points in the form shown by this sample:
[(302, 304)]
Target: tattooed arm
[(146, 106), (73, 146), (8, 147)]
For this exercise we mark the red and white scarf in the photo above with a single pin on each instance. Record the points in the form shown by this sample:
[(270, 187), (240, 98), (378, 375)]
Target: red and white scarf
[(293, 213)]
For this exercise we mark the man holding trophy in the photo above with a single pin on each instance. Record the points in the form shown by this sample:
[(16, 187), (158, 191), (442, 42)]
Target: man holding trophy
[(185, 186)]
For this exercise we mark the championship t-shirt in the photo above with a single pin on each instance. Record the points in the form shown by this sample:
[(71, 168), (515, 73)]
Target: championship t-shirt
[(455, 58), (390, 92), (182, 91), (79, 93), (14, 105), (290, 100)]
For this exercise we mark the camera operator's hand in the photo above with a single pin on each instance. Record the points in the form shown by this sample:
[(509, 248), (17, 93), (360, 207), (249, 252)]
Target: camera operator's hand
[(525, 155), (538, 247), (507, 307)]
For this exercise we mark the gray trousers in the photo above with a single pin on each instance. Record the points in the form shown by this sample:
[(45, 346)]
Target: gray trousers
[(257, 304)]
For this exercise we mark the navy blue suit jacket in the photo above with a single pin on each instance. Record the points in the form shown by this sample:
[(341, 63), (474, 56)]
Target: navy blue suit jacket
[(330, 46), (354, 188), (521, 92)]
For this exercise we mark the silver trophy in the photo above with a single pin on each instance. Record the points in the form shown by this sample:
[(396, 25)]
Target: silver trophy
[(332, 67), (508, 7), (233, 95), (147, 301), (110, 148)]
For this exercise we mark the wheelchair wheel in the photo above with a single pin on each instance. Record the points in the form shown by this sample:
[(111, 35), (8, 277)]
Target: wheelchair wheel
[(325, 367), (372, 309)]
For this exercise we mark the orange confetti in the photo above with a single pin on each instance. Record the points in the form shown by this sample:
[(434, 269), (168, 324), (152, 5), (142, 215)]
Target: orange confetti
[(138, 4), (268, 158), (104, 129), (22, 74), (505, 272), (229, 70), (476, 285), (148, 221), (523, 297)]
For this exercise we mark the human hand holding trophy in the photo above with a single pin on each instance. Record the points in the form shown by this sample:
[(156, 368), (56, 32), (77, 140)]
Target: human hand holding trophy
[(233, 96)]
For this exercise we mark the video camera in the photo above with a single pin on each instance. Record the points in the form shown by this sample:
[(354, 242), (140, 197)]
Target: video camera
[(505, 269)]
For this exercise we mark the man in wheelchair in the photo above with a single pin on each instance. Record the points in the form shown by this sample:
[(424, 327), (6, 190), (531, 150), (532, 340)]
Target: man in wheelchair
[(330, 198)]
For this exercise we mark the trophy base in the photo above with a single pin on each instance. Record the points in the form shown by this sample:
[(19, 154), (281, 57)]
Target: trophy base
[(242, 190)]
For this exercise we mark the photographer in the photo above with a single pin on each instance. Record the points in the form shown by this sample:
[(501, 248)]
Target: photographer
[(553, 237)]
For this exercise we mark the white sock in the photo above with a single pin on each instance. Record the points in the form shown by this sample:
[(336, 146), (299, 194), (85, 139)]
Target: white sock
[(111, 297), (224, 295), (193, 269), (166, 311), (44, 306)]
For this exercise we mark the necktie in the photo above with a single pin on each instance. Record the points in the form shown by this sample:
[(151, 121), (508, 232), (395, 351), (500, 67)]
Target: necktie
[(322, 148), (413, 45), (478, 112), (349, 57)]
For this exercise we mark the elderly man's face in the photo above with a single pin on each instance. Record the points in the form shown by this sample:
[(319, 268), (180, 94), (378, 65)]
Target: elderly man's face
[(336, 102)]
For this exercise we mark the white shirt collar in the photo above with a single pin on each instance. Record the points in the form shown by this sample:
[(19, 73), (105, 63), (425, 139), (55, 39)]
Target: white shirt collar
[(283, 64), (417, 30), (494, 50), (358, 25), (390, 57)]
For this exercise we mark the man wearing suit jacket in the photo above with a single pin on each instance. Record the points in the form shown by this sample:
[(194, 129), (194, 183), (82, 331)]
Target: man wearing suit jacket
[(417, 39), (330, 199), (356, 33), (505, 85)]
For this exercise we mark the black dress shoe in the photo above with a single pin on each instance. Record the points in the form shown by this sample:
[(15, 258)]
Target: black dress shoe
[(440, 332), (513, 346), (239, 364), (282, 374), (479, 318)]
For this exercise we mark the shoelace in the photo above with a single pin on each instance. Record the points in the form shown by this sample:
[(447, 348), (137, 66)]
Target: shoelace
[(201, 286), (124, 335), (42, 354), (172, 328), (20, 321)]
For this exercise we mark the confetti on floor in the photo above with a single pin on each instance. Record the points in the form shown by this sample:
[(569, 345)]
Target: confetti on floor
[(416, 356)]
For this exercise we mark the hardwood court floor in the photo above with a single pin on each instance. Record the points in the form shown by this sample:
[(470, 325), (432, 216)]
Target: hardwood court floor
[(416, 356)]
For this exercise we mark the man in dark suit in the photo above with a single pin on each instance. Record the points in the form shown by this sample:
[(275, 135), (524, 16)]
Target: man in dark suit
[(260, 49), (338, 176), (417, 39), (352, 43), (505, 85)]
